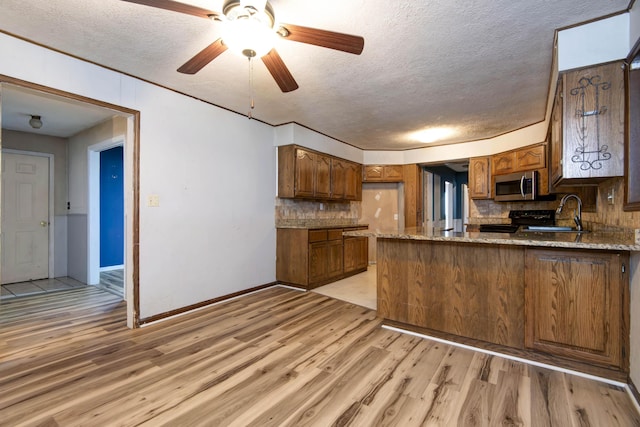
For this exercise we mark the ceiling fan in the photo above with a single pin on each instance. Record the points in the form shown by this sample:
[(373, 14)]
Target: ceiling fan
[(249, 28)]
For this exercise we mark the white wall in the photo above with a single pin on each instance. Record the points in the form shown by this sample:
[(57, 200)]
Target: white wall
[(293, 133), (594, 43), (213, 233)]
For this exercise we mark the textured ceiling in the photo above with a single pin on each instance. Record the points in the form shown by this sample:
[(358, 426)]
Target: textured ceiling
[(481, 67)]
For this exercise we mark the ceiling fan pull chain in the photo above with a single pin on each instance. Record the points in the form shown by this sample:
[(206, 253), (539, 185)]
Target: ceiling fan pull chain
[(251, 91)]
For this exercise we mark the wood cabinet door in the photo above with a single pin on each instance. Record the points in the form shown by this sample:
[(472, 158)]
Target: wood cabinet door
[(334, 258), (503, 163), (574, 305), (479, 178), (322, 177), (594, 122), (346, 180), (392, 173), (352, 181), (318, 265), (531, 158), (338, 179), (383, 173), (372, 173), (304, 173), (356, 255)]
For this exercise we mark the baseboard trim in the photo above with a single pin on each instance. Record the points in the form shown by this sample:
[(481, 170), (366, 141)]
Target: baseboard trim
[(180, 311), (112, 267), (508, 356), (616, 375), (633, 394)]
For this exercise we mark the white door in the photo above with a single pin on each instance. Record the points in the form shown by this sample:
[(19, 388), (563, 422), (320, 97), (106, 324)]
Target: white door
[(25, 217)]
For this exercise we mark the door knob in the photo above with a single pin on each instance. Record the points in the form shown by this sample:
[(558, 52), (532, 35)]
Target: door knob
[(44, 223)]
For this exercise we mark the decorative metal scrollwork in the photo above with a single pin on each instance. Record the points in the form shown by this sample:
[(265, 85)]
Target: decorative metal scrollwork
[(590, 158)]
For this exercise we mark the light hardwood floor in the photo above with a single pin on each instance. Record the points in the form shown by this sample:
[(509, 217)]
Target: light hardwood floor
[(275, 357)]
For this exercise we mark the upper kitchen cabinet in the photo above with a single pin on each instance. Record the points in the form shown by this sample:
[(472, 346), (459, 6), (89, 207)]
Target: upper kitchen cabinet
[(528, 158), (480, 177), (632, 151), (308, 174), (383, 173), (590, 147), (346, 180)]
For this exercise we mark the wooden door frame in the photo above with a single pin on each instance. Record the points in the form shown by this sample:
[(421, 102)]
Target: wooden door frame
[(51, 213), (132, 237)]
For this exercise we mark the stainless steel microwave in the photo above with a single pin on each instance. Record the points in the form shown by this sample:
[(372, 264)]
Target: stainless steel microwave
[(515, 186)]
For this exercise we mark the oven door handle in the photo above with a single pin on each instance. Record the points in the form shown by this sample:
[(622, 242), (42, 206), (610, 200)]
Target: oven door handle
[(522, 186)]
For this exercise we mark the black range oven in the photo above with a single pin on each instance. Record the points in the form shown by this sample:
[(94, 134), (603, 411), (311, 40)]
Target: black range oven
[(522, 218)]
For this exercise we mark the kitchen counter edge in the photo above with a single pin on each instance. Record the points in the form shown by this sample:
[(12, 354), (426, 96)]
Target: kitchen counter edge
[(610, 241)]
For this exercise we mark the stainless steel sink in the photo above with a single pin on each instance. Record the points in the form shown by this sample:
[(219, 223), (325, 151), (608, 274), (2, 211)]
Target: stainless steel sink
[(553, 229)]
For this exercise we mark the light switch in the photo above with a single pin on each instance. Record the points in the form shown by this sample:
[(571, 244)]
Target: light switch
[(153, 201)]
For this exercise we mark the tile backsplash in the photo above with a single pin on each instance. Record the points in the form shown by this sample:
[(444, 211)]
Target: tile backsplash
[(288, 210), (606, 215)]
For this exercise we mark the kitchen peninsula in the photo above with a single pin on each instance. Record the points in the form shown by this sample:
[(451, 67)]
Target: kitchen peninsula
[(559, 298)]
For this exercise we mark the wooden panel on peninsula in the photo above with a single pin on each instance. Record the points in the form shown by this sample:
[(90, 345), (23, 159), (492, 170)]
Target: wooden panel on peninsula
[(468, 290)]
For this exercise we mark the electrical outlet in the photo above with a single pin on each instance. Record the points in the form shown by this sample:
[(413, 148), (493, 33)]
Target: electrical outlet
[(611, 196)]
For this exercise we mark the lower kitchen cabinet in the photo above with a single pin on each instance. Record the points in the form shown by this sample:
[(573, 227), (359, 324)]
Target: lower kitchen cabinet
[(564, 306), (356, 256), (575, 305), (310, 258), (325, 260)]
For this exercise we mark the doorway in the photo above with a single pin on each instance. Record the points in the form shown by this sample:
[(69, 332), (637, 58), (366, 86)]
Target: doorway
[(446, 196), (70, 227), (105, 237)]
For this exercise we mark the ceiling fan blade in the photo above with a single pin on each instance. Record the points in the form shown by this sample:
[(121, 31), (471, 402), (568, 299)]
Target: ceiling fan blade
[(177, 7), (202, 58), (279, 71), (330, 39)]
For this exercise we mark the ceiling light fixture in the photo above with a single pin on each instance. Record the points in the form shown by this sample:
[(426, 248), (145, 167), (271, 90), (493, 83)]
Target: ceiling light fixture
[(433, 134), (249, 27), (248, 31), (35, 122)]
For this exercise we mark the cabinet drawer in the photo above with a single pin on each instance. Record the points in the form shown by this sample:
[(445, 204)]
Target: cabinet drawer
[(317, 235), (334, 234)]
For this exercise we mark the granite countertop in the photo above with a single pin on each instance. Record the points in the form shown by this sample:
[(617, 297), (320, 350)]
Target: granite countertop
[(603, 240), (311, 224)]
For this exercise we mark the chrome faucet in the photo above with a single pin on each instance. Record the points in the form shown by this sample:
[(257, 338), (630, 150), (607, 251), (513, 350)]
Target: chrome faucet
[(576, 218)]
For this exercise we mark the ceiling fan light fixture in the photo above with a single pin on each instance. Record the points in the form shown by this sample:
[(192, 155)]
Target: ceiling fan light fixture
[(257, 5), (35, 122), (247, 34)]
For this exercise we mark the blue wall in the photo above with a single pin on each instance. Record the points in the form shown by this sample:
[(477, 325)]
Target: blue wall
[(457, 179), (111, 207)]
